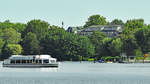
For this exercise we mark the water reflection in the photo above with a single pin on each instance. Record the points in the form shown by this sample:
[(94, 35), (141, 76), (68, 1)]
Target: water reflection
[(49, 69), (8, 69)]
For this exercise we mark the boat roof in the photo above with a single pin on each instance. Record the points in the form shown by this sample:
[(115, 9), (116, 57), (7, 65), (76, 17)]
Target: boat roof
[(30, 57)]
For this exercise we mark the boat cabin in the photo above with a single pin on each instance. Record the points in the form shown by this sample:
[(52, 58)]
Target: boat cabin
[(30, 59)]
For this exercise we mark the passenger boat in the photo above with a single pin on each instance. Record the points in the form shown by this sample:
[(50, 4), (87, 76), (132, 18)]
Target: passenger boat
[(33, 61)]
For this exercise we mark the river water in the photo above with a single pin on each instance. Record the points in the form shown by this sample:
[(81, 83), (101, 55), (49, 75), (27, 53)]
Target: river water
[(78, 73)]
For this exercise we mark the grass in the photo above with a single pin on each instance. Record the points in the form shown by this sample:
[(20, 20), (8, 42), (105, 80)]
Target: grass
[(91, 59)]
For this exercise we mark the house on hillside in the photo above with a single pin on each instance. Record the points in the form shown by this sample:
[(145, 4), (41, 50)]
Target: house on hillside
[(74, 30), (89, 30), (110, 30)]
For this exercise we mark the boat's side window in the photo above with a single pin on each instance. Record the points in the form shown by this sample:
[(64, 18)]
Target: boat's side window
[(23, 61), (12, 61), (18, 61), (38, 61), (29, 61), (52, 61), (46, 61)]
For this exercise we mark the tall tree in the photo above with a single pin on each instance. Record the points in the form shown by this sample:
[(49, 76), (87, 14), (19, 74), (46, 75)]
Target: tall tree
[(104, 48), (30, 44), (86, 48), (38, 27), (96, 39), (116, 47), (12, 49), (11, 36), (129, 43), (143, 39), (95, 20), (1, 45)]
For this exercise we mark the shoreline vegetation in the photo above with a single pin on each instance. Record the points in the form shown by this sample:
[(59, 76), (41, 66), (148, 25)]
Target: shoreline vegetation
[(39, 37)]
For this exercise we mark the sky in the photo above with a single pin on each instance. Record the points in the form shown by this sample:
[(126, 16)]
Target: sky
[(73, 12)]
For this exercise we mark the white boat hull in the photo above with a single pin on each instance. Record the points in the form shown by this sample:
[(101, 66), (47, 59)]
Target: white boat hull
[(31, 65)]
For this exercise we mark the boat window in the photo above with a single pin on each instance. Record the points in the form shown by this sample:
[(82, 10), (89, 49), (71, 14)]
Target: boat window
[(12, 61), (18, 61), (46, 61), (52, 61), (38, 61), (29, 61), (23, 61)]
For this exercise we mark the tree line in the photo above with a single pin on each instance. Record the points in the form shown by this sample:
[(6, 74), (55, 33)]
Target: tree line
[(133, 41), (39, 37)]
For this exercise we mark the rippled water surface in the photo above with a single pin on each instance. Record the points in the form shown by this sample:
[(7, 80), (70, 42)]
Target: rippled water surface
[(78, 73)]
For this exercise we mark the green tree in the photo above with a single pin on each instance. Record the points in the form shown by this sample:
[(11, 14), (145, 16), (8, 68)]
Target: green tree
[(130, 37), (96, 39), (19, 27), (1, 45), (133, 25), (116, 47), (148, 26), (117, 22), (38, 27), (12, 49), (129, 43), (104, 48), (86, 48), (143, 39), (66, 46), (95, 20), (11, 36), (30, 44), (138, 54)]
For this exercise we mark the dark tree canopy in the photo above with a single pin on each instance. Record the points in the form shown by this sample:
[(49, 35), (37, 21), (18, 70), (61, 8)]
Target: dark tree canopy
[(30, 44), (38, 27), (104, 47), (1, 45), (143, 39)]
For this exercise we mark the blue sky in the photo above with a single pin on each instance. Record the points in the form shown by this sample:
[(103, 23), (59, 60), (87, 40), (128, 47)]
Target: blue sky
[(73, 12)]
